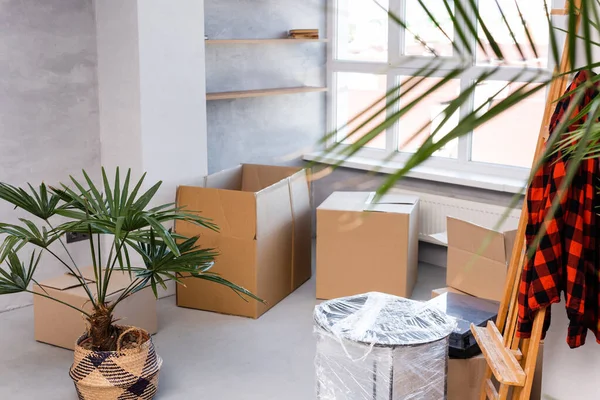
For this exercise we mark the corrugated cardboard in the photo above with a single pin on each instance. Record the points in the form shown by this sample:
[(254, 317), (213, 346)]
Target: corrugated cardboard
[(473, 268), (264, 242), (465, 377), (438, 292), (59, 325), (363, 246)]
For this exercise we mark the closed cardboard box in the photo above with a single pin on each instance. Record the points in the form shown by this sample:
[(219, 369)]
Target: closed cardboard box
[(264, 242), (365, 245), (478, 258), (59, 325)]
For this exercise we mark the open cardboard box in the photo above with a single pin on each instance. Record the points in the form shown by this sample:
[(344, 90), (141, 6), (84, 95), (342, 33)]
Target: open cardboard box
[(478, 258), (365, 245), (61, 326), (264, 242)]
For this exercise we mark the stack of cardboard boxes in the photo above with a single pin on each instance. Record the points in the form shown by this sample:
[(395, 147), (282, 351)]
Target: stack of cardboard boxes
[(477, 266), (366, 244)]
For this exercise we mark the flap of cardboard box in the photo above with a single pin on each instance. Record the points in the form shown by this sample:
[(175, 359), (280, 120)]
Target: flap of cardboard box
[(390, 203), (477, 240), (440, 238), (260, 177), (233, 211), (63, 282), (364, 201), (119, 280), (229, 179)]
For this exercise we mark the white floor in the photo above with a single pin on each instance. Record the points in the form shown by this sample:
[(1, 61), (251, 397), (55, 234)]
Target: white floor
[(206, 355)]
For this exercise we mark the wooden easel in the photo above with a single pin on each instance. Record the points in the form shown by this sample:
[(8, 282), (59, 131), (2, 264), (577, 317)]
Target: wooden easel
[(511, 360)]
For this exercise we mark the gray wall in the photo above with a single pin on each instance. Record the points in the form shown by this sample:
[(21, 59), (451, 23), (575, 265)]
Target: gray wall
[(270, 130), (48, 100)]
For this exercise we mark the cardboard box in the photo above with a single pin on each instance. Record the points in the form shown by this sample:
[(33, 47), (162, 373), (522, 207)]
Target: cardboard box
[(473, 267), (363, 246), (465, 377), (264, 242), (438, 292), (59, 325)]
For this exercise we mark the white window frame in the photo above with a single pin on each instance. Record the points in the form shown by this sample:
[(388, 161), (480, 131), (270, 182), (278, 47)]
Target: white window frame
[(392, 69)]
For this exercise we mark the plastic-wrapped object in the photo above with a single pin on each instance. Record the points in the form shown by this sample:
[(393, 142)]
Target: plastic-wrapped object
[(467, 310), (376, 346)]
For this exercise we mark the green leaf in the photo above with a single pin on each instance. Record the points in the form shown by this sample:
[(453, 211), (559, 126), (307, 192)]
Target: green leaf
[(145, 199), (36, 204), (19, 274), (94, 190), (163, 233), (116, 194)]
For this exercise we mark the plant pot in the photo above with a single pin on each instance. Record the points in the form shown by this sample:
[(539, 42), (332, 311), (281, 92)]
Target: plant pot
[(122, 374)]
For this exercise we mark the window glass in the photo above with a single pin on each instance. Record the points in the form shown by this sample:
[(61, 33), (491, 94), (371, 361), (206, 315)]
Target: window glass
[(511, 137), (422, 28), (537, 24), (423, 119), (355, 94), (362, 30)]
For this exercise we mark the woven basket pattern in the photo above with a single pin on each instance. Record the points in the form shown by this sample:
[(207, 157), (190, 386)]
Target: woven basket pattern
[(128, 374)]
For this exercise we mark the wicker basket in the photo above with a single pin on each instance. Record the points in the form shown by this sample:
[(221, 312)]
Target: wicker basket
[(122, 374)]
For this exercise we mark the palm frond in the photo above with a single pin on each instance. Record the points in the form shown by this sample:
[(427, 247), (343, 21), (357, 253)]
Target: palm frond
[(19, 274), (17, 236), (119, 210), (163, 265), (38, 203), (469, 22)]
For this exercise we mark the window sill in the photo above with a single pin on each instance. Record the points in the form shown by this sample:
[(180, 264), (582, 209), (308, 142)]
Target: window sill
[(462, 178)]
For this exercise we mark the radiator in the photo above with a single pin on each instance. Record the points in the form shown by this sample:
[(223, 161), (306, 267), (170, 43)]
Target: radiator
[(434, 210)]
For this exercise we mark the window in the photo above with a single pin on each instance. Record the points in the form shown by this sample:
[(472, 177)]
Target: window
[(372, 54)]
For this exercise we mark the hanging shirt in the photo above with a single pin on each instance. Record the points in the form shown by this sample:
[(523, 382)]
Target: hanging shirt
[(565, 259)]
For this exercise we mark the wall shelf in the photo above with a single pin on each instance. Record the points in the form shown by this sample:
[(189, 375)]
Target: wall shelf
[(263, 92), (263, 41)]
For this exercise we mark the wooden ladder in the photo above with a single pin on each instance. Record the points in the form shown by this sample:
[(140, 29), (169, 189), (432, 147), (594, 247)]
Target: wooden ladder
[(510, 360)]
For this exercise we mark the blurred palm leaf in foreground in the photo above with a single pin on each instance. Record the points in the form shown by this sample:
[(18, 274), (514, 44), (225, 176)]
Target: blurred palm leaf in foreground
[(479, 59)]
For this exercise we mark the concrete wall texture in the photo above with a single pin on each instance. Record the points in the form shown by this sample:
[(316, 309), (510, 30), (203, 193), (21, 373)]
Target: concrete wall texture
[(48, 101), (270, 130)]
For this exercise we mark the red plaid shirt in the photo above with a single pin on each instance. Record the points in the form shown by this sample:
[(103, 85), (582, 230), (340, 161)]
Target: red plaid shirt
[(565, 259)]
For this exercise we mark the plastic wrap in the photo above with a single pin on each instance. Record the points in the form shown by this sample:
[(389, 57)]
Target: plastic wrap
[(381, 347)]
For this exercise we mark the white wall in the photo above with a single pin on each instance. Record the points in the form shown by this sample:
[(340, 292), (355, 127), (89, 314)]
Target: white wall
[(48, 103), (153, 91), (119, 84), (570, 374), (173, 93)]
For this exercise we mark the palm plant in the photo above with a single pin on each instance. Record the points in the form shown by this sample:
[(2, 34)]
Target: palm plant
[(118, 211), (582, 22)]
